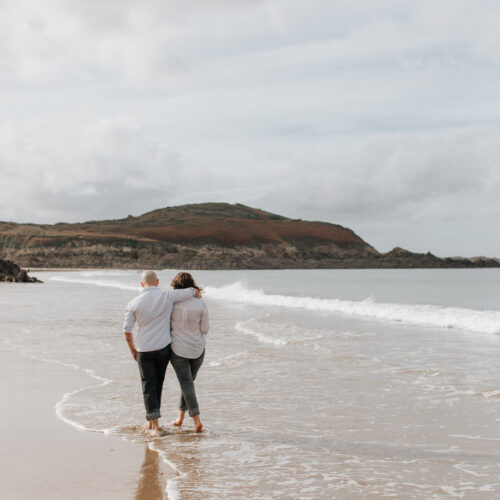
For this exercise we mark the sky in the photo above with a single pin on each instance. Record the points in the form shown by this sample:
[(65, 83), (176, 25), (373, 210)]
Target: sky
[(382, 116)]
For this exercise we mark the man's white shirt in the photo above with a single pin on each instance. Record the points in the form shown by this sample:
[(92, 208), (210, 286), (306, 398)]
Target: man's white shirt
[(152, 309)]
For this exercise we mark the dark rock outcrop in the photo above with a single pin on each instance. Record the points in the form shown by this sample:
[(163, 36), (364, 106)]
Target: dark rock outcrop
[(13, 273), (206, 236)]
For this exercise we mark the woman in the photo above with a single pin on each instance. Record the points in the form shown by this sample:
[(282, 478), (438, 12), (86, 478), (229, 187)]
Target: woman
[(189, 325)]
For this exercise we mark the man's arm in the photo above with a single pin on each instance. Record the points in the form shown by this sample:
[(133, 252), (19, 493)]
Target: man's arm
[(180, 294), (129, 337), (128, 326)]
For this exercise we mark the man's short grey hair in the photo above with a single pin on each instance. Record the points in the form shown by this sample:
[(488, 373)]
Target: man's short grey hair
[(149, 277)]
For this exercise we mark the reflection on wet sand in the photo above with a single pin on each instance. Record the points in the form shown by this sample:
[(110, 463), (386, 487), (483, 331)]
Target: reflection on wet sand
[(183, 449), (150, 485)]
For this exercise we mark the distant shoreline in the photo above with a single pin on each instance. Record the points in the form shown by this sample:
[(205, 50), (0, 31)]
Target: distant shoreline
[(138, 270)]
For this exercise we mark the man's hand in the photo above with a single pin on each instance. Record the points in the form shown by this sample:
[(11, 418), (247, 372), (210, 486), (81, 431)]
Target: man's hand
[(130, 341), (197, 293)]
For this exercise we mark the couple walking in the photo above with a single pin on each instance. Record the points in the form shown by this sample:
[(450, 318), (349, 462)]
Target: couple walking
[(171, 328)]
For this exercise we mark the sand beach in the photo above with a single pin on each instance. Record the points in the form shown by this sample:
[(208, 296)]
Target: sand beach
[(43, 457)]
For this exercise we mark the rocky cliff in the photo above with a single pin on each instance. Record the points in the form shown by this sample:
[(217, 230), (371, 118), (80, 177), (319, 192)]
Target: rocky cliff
[(204, 236)]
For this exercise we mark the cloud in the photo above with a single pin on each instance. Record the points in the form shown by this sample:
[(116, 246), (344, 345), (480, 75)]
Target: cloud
[(60, 40), (118, 164), (115, 166), (375, 176)]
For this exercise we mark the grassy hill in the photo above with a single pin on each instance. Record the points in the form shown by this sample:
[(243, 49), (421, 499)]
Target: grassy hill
[(202, 236)]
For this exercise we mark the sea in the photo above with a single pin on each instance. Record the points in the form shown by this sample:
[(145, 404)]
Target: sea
[(316, 384)]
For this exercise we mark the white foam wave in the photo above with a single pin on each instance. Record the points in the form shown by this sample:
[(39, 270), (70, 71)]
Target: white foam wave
[(60, 405), (277, 341), (172, 489), (227, 359), (90, 274), (108, 284), (427, 315), (491, 394)]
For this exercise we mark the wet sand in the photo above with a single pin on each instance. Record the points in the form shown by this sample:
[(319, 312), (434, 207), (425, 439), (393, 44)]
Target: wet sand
[(43, 457)]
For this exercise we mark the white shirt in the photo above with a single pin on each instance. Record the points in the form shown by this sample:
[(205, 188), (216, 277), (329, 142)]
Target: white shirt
[(189, 326), (151, 309)]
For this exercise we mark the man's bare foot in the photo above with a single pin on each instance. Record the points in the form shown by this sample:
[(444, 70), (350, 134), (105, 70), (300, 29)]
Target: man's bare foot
[(198, 426), (147, 426), (180, 418), (157, 432), (154, 425)]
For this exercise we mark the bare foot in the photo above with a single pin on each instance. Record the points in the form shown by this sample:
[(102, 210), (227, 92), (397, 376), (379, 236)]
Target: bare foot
[(198, 426), (180, 418), (147, 426), (157, 432)]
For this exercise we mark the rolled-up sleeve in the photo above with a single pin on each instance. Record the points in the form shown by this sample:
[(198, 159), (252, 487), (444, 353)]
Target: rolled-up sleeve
[(129, 321), (204, 323), (180, 294)]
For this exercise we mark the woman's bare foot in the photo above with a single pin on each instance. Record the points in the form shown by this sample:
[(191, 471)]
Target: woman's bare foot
[(198, 426), (180, 419)]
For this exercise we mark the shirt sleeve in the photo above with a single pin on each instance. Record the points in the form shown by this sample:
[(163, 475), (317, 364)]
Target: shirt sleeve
[(129, 321), (204, 323), (181, 294)]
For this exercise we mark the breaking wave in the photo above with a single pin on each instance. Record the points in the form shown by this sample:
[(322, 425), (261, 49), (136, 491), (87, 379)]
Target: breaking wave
[(417, 314), (104, 283)]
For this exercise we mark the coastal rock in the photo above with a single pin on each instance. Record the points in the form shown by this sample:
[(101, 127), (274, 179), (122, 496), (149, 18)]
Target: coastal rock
[(9, 271)]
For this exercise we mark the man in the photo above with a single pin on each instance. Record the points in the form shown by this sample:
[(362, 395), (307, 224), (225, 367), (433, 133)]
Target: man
[(150, 347)]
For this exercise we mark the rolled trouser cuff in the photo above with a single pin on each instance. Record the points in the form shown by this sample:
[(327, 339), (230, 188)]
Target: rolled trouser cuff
[(194, 411), (153, 415)]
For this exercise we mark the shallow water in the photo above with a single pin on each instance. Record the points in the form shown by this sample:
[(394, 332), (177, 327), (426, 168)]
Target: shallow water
[(316, 384)]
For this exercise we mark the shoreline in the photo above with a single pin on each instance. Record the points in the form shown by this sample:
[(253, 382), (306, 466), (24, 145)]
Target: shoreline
[(140, 269), (49, 458)]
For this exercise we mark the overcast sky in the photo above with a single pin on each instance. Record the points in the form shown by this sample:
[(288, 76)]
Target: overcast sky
[(383, 115)]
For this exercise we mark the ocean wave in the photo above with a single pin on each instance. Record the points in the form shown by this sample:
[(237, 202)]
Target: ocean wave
[(227, 359), (89, 274), (266, 339), (417, 314), (279, 341), (108, 284)]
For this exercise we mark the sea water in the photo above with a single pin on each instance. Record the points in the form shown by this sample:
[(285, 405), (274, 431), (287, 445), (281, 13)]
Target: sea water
[(318, 384)]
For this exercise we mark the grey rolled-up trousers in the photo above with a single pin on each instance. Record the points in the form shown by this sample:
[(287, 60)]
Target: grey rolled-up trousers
[(186, 370)]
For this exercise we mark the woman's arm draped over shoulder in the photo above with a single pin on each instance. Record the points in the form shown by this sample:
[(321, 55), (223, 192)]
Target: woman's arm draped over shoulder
[(204, 324), (181, 294)]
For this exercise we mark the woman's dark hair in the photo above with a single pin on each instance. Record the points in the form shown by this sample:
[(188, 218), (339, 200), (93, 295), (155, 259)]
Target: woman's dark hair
[(185, 280)]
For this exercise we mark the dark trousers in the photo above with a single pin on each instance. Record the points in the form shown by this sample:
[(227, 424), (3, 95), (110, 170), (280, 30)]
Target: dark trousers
[(152, 367), (186, 370)]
